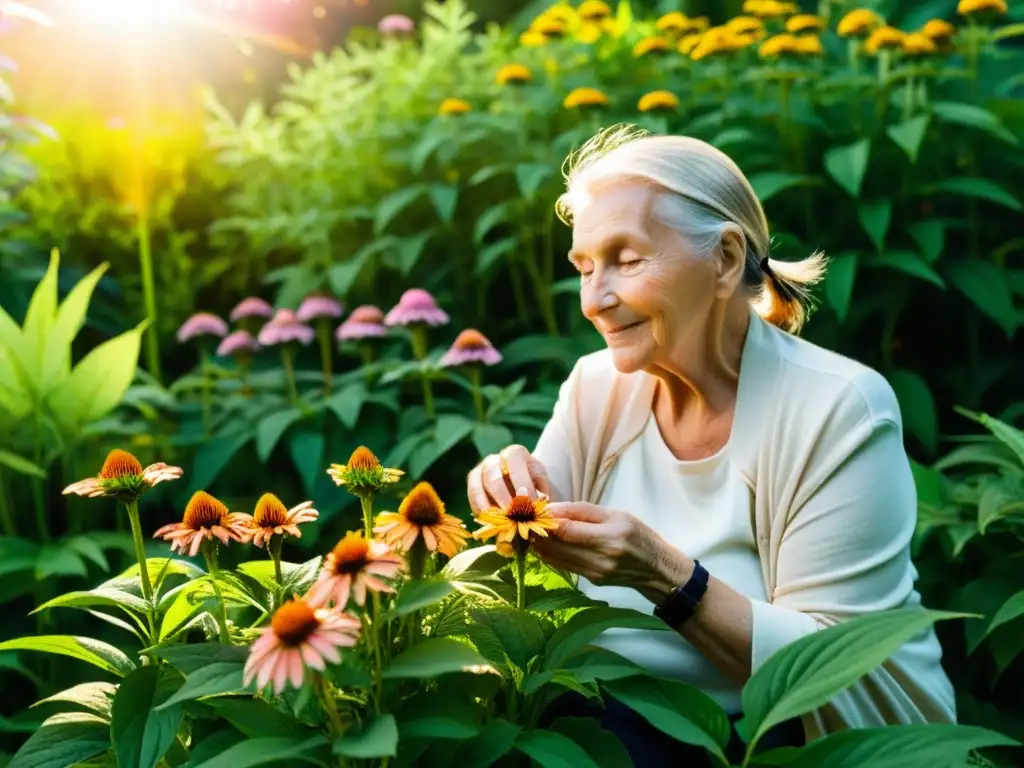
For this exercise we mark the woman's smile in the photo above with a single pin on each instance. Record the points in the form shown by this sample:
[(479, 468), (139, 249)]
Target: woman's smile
[(621, 331)]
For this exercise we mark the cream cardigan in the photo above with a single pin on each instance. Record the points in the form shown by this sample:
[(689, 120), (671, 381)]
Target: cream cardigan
[(818, 439)]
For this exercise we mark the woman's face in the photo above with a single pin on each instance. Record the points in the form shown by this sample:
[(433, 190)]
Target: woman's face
[(641, 285)]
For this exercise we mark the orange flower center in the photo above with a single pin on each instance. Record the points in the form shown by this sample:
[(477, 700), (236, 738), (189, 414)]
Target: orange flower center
[(270, 512), (471, 339), (351, 554), (363, 458), (294, 622), (120, 464), (203, 511), (422, 506), (522, 510)]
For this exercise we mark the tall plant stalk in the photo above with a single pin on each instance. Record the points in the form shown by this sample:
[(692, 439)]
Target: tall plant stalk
[(140, 555)]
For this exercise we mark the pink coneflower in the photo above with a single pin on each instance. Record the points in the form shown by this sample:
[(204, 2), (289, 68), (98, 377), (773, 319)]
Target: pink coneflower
[(122, 476), (272, 518), (352, 568), (396, 24), (283, 328), (202, 324), (471, 346), (416, 306), (314, 307), (365, 322), (299, 636), (238, 342), (205, 517), (251, 307)]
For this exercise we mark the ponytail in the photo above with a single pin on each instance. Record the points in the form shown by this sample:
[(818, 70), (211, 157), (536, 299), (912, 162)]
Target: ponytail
[(785, 299)]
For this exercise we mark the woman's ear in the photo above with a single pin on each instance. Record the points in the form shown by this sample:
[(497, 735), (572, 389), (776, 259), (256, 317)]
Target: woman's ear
[(731, 263)]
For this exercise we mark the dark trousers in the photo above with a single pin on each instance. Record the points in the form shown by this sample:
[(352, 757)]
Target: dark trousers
[(650, 748)]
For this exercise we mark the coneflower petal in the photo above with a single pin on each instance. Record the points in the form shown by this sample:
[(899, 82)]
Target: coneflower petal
[(296, 667), (429, 538), (312, 659)]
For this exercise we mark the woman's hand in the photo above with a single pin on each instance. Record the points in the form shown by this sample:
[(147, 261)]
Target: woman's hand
[(495, 480), (611, 547)]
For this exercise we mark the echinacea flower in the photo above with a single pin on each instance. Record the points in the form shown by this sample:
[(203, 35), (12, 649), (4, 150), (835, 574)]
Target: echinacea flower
[(918, 44), (271, 518), (123, 477), (593, 10), (354, 566), (453, 106), (656, 100), (421, 515), (585, 97), (858, 23), (805, 22), (205, 518), (237, 343), (514, 525), (416, 306), (513, 74), (882, 38), (939, 30), (251, 307), (299, 637), (969, 7), (283, 328), (396, 24), (202, 324), (314, 307), (361, 324), (649, 45), (746, 25), (363, 475), (471, 346), (720, 40)]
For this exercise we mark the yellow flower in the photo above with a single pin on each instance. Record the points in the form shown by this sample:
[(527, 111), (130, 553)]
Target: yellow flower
[(549, 27), (589, 33), (938, 30), (454, 107), (515, 525), (658, 100), (805, 22), (559, 12), (745, 25), (719, 40), (363, 475), (778, 45), (512, 74), (858, 23), (687, 43), (531, 39), (651, 45), (968, 7), (272, 518), (679, 23), (421, 514), (768, 9), (919, 44), (884, 37), (122, 477), (809, 45), (585, 97), (593, 10)]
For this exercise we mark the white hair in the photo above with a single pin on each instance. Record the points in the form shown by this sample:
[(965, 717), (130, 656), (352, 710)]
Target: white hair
[(704, 192)]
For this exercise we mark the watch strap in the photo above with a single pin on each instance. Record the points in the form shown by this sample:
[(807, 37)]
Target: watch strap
[(682, 601)]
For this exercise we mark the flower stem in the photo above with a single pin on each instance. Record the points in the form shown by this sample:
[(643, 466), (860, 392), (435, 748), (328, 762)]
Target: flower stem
[(366, 502), (140, 555), (323, 693), (274, 546), (206, 393), (377, 663), (419, 350), (521, 577), (210, 553), (324, 334), (478, 395), (417, 558), (148, 291), (289, 373)]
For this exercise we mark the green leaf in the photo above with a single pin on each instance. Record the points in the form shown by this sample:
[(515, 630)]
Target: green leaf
[(770, 183), (999, 499), (808, 672), (436, 656), (982, 189), (930, 236), (99, 597), (348, 402), (271, 428), (378, 739), (909, 134), (489, 219), (907, 262), (519, 633), (444, 197), (98, 653), (560, 599), (256, 718), (839, 281), (215, 679), (920, 414), (409, 250), (491, 438), (488, 256), (1009, 436), (474, 562), (847, 164), (1010, 610), (394, 204), (875, 217), (435, 716), (896, 746), (63, 740), (268, 749), (40, 317), (602, 745), (495, 740), (97, 384), (56, 363), (553, 750), (677, 709), (1008, 30), (530, 177), (601, 664), (418, 594), (591, 622), (93, 697), (985, 285), (212, 456), (141, 732), (450, 430), (195, 656), (972, 116), (22, 466), (343, 275)]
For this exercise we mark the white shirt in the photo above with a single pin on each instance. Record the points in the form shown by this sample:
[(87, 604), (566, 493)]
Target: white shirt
[(702, 508)]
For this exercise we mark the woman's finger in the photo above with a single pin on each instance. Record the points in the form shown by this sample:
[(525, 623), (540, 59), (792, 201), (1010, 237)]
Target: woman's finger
[(494, 480), (478, 499), (539, 473), (517, 463)]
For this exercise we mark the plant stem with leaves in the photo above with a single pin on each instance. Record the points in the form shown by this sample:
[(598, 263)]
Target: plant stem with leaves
[(419, 350), (210, 553), (323, 331), (366, 502), (478, 395), (206, 390), (140, 555), (287, 355)]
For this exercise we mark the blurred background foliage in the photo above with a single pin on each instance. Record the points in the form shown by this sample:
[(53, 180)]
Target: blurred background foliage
[(293, 148)]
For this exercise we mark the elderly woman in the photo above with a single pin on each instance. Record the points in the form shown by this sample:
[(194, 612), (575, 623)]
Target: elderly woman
[(710, 451)]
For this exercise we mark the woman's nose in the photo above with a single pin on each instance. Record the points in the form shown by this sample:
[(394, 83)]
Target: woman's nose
[(596, 296)]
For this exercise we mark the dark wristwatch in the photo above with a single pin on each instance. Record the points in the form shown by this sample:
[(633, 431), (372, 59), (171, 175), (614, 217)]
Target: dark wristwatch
[(683, 600)]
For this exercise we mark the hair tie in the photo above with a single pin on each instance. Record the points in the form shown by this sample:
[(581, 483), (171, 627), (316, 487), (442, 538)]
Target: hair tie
[(766, 267)]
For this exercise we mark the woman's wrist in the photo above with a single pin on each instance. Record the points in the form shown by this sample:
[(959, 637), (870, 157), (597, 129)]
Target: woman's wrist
[(673, 568)]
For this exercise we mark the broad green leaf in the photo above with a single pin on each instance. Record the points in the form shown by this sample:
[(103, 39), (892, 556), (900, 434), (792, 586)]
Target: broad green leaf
[(416, 595), (770, 183), (909, 134), (95, 598), (475, 561), (97, 384), (378, 739), (808, 672), (920, 414), (530, 177), (999, 499), (553, 750), (271, 428), (392, 205), (444, 197), (682, 711), (56, 364), (600, 664), (40, 317), (562, 598), (586, 625), (495, 740), (195, 656), (491, 438), (342, 276), (213, 745), (409, 250), (306, 448), (211, 458), (1009, 436), (839, 281), (217, 678), (930, 236), (489, 219), (984, 284), (847, 164), (256, 718), (93, 697), (1007, 31), (435, 716), (982, 189), (63, 740), (268, 749), (450, 430), (603, 746), (22, 466), (1010, 610), (560, 677), (907, 262), (875, 217), (488, 256), (972, 116), (98, 653), (897, 746), (520, 633), (348, 402), (141, 731), (434, 657)]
